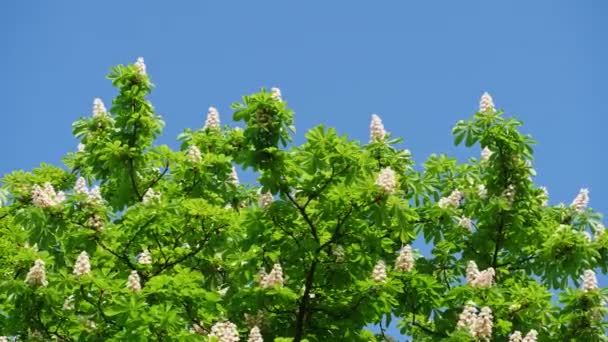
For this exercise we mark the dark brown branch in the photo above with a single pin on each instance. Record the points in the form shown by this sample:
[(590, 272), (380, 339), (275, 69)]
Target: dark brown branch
[(305, 216), (304, 301)]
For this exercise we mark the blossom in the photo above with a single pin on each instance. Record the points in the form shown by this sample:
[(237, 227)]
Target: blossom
[(95, 222), (453, 200), (376, 129), (486, 103), (486, 153), (83, 264), (255, 335), (150, 196), (194, 154), (81, 186), (140, 65), (98, 108), (515, 336), (468, 316), (339, 253), (544, 196), (379, 272), (3, 339), (478, 279), (264, 199), (45, 197), (37, 274), (81, 147), (598, 229), (530, 336), (225, 332), (213, 119), (145, 258), (274, 278), (472, 271), (482, 328), (482, 192), (95, 195), (589, 281), (275, 93), (234, 177), (133, 283), (68, 303), (405, 259), (465, 222), (386, 180), (581, 201), (509, 194)]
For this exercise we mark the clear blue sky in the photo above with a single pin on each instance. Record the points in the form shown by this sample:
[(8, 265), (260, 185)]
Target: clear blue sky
[(421, 65)]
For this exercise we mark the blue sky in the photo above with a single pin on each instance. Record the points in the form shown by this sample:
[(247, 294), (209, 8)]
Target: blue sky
[(421, 65)]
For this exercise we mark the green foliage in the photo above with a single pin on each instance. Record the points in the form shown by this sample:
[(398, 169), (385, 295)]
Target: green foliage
[(201, 244)]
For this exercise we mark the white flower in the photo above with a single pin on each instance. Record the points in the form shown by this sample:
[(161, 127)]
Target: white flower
[(482, 329), (405, 259), (81, 147), (95, 222), (222, 292), (465, 222), (98, 108), (478, 279), (581, 201), (234, 177), (509, 194), (482, 192), (486, 153), (37, 274), (376, 129), (544, 196), (339, 253), (225, 332), (3, 339), (598, 229), (264, 199), (81, 186), (46, 197), (213, 119), (95, 195), (589, 281), (274, 278), (453, 200), (141, 66), (255, 335), (150, 196), (194, 154), (379, 272), (531, 336), (515, 336), (472, 271), (145, 258), (386, 180), (468, 316), (486, 103), (133, 283), (275, 93), (83, 264), (68, 303)]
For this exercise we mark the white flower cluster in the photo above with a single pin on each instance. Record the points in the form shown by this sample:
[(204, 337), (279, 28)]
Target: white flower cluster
[(544, 196), (150, 196), (598, 229), (81, 147), (589, 281), (213, 119), (82, 265), (509, 194), (386, 180), (486, 103), (516, 336), (145, 258), (93, 196), (133, 283), (275, 93), (140, 65), (3, 339), (453, 200), (376, 129), (194, 154), (339, 253), (405, 259), (37, 274), (486, 153), (99, 109), (255, 335), (234, 177), (581, 200), (479, 324), (68, 303), (274, 278), (264, 199), (95, 222), (465, 222), (45, 197), (225, 332), (482, 192), (478, 279), (379, 272)]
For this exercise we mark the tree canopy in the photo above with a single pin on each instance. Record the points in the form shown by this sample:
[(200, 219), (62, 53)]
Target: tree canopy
[(133, 241)]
